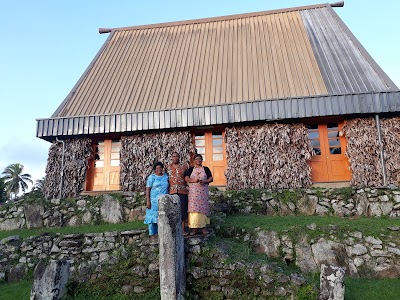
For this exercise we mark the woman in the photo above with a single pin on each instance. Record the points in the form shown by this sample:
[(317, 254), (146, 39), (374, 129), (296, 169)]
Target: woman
[(157, 185), (177, 185), (198, 178)]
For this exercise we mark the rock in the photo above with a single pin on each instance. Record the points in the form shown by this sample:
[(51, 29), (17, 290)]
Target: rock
[(81, 203), (50, 280), (111, 210), (373, 241), (375, 209), (328, 252), (386, 208), (55, 201), (54, 220), (139, 289), (362, 204), (356, 234), (304, 257), (358, 249), (267, 242), (331, 282), (394, 228), (321, 210), (340, 210), (10, 239), (358, 261), (74, 221), (312, 226), (297, 279), (10, 224), (87, 218), (17, 273), (127, 289), (394, 250), (307, 205), (137, 213), (387, 271), (280, 292), (34, 215)]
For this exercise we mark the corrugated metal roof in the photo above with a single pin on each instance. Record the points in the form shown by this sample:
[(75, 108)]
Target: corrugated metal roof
[(344, 67), (207, 67), (269, 110), (235, 59)]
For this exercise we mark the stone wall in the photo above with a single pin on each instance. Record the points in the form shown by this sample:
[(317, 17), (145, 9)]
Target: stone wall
[(343, 202), (128, 206), (113, 208), (210, 270), (360, 255)]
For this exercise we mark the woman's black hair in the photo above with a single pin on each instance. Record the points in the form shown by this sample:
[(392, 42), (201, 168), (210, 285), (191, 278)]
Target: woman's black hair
[(158, 163), (197, 155)]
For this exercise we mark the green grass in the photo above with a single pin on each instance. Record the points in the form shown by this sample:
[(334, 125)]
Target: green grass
[(279, 223), (15, 291), (368, 289), (23, 233)]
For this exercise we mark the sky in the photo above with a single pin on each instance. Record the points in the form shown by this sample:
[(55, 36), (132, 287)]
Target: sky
[(46, 45)]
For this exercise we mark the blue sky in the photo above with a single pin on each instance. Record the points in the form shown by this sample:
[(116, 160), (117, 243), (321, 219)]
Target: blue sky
[(46, 45)]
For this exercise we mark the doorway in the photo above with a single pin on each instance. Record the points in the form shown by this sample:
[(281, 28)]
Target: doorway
[(104, 175), (211, 146), (329, 164)]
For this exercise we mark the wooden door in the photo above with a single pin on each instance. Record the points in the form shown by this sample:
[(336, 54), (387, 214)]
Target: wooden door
[(106, 166), (329, 164), (211, 146)]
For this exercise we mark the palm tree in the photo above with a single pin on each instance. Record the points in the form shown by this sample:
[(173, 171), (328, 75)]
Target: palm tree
[(15, 180), (3, 196), (39, 185)]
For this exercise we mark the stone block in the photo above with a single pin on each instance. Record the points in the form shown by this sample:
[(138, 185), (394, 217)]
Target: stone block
[(50, 280)]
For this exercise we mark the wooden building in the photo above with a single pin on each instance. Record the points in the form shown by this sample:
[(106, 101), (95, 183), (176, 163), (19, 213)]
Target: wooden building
[(262, 96)]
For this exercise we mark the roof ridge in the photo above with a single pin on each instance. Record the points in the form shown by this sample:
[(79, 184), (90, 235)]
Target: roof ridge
[(214, 19)]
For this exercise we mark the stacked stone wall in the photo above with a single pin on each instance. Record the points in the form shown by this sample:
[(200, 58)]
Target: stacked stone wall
[(125, 207)]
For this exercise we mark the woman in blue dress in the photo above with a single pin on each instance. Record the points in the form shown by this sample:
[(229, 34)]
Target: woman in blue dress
[(156, 185)]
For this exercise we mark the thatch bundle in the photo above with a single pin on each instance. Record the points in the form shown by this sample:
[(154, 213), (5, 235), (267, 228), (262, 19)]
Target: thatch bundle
[(76, 155), (391, 141), (363, 152), (140, 152), (268, 156)]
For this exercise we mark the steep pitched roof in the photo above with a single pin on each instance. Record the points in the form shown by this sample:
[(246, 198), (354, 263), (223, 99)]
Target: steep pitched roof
[(194, 72)]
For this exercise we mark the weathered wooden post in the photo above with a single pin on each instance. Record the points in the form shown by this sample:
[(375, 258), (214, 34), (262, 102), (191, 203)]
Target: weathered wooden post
[(172, 253)]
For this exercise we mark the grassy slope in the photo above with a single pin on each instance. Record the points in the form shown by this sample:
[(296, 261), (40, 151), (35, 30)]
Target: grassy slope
[(23, 233), (278, 223)]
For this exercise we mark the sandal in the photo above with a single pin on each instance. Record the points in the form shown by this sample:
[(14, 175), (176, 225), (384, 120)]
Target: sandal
[(193, 232)]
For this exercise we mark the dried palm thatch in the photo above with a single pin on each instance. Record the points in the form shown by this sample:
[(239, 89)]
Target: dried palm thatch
[(76, 155), (268, 156), (363, 152), (139, 153), (391, 141)]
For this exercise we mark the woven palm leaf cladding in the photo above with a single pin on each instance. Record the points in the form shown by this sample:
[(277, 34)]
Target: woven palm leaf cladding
[(268, 156), (363, 151), (76, 155), (139, 153), (391, 141)]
